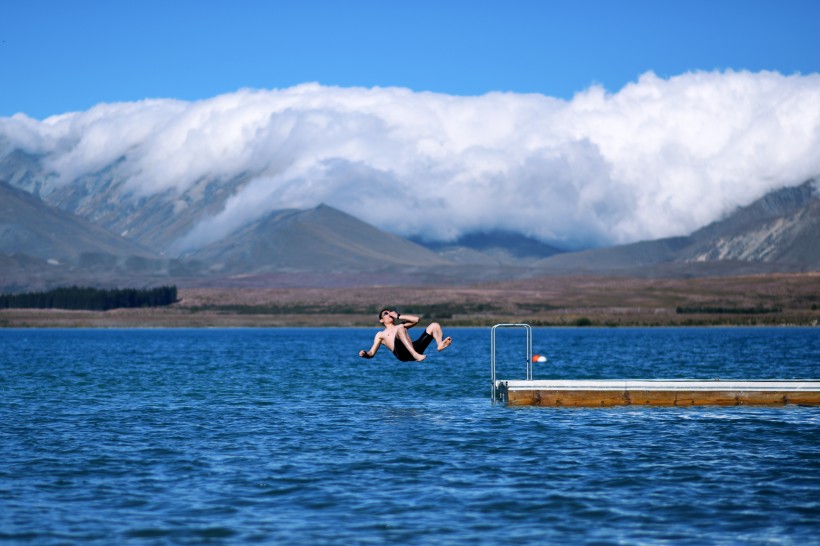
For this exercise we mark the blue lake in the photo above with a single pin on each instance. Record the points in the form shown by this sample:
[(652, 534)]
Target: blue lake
[(286, 436)]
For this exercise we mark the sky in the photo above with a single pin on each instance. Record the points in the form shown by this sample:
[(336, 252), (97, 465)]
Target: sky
[(582, 122), (58, 56)]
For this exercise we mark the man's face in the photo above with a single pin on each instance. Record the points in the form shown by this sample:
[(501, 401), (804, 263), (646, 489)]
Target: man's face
[(389, 316)]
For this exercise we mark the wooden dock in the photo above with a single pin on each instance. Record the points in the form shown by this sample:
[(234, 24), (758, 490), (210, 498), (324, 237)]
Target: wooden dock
[(649, 392)]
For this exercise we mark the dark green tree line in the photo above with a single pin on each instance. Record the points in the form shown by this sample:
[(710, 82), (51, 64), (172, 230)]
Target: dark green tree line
[(92, 299)]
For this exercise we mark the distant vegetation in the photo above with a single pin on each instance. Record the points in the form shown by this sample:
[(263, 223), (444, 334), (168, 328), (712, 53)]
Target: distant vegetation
[(91, 299), (728, 310), (428, 311)]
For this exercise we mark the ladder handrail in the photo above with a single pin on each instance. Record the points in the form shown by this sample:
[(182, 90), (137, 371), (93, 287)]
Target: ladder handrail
[(528, 329)]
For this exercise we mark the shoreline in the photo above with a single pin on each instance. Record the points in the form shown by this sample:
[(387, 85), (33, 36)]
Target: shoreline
[(760, 300), (446, 326)]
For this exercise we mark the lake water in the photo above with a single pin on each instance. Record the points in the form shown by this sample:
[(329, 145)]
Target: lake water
[(286, 436)]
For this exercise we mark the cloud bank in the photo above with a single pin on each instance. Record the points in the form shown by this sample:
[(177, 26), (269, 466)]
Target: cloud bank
[(660, 157)]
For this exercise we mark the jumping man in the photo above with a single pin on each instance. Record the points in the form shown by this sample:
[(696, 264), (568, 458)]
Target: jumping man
[(395, 337)]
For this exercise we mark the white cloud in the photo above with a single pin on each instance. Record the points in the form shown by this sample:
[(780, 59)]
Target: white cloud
[(660, 157)]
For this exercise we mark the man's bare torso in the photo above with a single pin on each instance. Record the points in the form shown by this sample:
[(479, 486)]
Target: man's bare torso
[(388, 336)]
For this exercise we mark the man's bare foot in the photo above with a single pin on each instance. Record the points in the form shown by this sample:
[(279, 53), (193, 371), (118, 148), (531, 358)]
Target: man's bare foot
[(420, 357), (445, 343)]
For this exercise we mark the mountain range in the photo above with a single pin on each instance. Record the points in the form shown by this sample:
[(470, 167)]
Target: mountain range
[(95, 231)]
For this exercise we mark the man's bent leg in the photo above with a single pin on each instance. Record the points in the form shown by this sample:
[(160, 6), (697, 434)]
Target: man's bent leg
[(435, 330), (404, 338)]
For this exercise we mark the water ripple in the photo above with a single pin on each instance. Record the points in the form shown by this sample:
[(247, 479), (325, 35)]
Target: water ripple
[(258, 436)]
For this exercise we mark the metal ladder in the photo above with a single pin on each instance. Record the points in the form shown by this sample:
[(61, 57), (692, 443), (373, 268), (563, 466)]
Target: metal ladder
[(528, 329)]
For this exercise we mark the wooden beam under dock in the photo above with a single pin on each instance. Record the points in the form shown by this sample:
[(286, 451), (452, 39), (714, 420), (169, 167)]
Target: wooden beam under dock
[(649, 392)]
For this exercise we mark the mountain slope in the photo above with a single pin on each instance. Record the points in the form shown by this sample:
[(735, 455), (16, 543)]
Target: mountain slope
[(493, 249), (107, 199), (319, 239), (780, 231), (29, 226), (783, 227), (635, 255)]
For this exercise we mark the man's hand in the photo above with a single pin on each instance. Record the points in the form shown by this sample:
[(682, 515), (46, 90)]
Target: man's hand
[(364, 354)]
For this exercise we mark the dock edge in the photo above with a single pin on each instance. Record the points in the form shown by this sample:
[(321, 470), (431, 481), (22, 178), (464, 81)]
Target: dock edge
[(656, 392)]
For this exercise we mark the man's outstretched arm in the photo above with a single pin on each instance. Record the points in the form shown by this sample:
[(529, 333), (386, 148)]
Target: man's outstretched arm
[(372, 352)]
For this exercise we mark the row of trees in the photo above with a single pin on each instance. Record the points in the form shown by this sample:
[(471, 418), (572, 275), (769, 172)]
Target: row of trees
[(92, 299)]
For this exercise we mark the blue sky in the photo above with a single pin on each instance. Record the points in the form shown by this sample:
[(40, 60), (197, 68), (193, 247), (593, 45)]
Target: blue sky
[(60, 56)]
